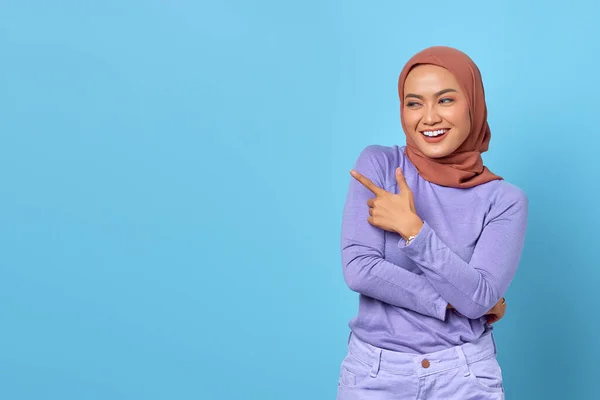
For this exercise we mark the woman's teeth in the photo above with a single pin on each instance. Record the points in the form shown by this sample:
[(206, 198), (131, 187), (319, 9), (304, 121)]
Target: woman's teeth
[(435, 133)]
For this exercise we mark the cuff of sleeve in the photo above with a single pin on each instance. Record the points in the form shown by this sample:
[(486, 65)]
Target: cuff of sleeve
[(423, 247), (443, 308), (419, 242)]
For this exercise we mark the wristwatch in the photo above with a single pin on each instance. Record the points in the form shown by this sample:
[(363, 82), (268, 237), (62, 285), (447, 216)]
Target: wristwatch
[(410, 239)]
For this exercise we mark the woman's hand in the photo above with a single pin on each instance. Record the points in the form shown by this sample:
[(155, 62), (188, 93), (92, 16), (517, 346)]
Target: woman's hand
[(497, 312), (392, 212)]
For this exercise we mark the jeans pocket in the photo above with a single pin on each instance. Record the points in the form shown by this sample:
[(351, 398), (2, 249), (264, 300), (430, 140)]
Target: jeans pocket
[(353, 371), (487, 374), (347, 378)]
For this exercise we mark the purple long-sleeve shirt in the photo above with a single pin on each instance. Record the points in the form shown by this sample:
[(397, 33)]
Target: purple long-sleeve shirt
[(465, 255)]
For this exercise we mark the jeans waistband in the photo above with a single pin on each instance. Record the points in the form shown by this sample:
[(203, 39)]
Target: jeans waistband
[(422, 364)]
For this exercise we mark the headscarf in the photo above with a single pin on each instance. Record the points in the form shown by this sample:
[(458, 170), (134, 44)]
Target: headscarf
[(464, 167)]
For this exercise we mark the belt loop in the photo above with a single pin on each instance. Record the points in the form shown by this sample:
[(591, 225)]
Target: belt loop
[(494, 343), (376, 364), (461, 355)]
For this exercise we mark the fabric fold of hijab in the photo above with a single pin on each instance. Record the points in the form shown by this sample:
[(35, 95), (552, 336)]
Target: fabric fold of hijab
[(464, 167)]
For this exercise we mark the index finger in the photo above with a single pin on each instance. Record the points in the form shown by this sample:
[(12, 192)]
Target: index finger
[(366, 182)]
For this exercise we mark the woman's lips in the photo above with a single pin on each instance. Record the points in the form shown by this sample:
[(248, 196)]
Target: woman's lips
[(435, 139)]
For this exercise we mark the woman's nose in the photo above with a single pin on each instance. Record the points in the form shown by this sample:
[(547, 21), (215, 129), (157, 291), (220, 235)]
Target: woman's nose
[(431, 116)]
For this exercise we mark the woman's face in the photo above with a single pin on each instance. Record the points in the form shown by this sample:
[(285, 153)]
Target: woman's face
[(436, 113)]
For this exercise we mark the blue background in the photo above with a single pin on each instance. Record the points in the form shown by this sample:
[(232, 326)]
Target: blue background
[(173, 175)]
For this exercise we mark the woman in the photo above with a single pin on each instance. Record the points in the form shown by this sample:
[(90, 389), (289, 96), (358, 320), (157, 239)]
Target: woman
[(431, 240)]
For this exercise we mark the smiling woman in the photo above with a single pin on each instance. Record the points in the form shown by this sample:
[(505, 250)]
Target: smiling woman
[(431, 240)]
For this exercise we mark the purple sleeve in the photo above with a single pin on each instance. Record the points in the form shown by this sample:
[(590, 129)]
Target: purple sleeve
[(365, 269), (474, 287)]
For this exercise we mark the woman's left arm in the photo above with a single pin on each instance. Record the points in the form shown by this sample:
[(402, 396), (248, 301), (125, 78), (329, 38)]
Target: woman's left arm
[(473, 287)]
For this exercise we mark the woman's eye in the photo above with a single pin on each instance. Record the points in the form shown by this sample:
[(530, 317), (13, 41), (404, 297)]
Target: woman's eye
[(412, 104), (446, 100)]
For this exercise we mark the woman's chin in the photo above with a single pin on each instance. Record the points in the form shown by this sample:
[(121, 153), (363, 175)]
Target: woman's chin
[(438, 149), (434, 151)]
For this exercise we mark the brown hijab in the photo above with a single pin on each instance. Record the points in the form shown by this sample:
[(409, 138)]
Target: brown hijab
[(464, 168)]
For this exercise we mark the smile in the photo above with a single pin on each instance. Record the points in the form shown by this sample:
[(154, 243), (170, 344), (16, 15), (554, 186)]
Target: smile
[(435, 136), (435, 133)]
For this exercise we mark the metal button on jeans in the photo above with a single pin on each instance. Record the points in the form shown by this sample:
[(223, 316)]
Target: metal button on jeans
[(425, 363)]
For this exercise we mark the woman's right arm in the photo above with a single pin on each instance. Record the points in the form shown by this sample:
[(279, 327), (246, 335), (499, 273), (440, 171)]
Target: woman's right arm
[(365, 269)]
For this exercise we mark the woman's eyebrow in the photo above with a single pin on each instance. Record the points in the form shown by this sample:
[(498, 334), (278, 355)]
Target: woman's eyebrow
[(441, 92)]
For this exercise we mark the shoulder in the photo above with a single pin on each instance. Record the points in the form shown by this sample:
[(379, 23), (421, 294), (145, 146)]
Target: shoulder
[(504, 196), (382, 154), (383, 157), (379, 163)]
